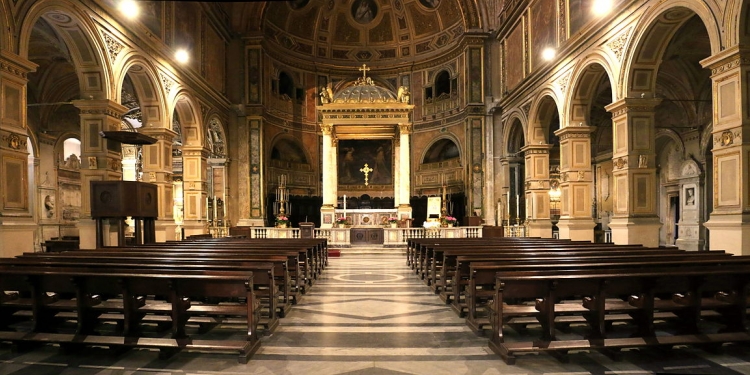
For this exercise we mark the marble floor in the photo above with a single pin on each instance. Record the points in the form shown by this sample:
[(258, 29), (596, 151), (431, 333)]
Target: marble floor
[(370, 315)]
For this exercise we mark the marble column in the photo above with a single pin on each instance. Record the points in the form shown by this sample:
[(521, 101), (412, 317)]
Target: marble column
[(17, 226), (634, 219), (396, 175), (576, 185), (157, 170), (99, 160), (329, 197), (537, 190), (335, 167), (729, 224), (404, 170)]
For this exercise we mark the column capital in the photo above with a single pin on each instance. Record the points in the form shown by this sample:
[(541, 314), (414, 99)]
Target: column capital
[(727, 60), (13, 65), (327, 129), (627, 105), (405, 129), (536, 149), (579, 131), (97, 107)]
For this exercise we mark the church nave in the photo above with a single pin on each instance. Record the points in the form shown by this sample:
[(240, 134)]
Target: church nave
[(369, 314)]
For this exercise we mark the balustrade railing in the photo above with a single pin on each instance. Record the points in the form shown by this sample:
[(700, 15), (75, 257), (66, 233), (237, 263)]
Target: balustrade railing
[(391, 236)]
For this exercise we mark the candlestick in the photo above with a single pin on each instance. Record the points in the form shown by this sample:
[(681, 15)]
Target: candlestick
[(518, 207)]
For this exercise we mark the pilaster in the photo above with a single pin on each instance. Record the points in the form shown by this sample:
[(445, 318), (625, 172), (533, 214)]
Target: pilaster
[(101, 158), (729, 224), (536, 190), (157, 170), (329, 197), (195, 189), (17, 224), (634, 219), (576, 183)]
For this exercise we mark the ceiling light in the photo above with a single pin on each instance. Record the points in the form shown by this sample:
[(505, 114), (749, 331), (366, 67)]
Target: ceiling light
[(182, 56), (129, 8), (548, 53), (601, 7)]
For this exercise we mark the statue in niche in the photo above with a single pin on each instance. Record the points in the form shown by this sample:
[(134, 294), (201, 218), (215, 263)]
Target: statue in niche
[(49, 206), (403, 94), (326, 95)]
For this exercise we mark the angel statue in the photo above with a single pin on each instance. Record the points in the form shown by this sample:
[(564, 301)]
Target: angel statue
[(403, 94), (326, 94)]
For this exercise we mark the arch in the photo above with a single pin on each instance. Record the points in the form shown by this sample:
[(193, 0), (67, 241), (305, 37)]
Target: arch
[(434, 148), (737, 24), (584, 80), (653, 33), (442, 83), (542, 113), (77, 30), (216, 140), (292, 145), (148, 88), (190, 120), (514, 137), (674, 137)]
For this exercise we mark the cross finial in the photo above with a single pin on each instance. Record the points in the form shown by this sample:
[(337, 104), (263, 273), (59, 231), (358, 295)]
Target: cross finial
[(364, 69), (366, 170)]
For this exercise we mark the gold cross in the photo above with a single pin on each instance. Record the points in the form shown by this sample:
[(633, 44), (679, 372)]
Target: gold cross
[(366, 170), (364, 69)]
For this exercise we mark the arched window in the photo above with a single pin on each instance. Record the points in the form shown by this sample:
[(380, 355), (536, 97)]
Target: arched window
[(442, 84)]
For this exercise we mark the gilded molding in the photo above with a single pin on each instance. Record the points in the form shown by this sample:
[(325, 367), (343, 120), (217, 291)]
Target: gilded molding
[(404, 129), (327, 129), (13, 69), (14, 141)]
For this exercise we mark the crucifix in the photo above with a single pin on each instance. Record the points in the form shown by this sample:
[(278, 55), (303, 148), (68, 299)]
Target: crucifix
[(366, 170), (364, 69)]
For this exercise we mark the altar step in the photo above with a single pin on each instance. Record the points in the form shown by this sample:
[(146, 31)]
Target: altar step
[(368, 249)]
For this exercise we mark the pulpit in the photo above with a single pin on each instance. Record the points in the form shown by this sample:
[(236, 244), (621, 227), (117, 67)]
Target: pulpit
[(116, 200)]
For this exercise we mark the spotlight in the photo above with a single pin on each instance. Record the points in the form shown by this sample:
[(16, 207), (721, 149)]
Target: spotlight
[(548, 53), (182, 56), (129, 8)]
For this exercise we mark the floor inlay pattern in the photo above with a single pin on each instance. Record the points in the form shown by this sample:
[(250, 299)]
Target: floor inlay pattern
[(370, 315)]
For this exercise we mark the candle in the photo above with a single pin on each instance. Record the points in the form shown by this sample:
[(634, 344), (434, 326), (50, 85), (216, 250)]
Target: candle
[(507, 204), (518, 206)]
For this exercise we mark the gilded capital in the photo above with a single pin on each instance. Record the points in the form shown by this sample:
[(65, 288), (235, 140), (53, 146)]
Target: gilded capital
[(327, 129), (404, 128)]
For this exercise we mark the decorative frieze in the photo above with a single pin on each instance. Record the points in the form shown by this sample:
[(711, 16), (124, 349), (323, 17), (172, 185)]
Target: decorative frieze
[(167, 82), (14, 141)]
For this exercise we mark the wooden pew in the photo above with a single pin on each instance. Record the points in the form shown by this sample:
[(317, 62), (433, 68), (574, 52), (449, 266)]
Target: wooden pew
[(264, 282), (181, 287), (482, 282), (693, 289)]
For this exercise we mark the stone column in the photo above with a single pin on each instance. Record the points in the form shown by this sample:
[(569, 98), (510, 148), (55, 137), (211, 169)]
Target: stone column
[(101, 159), (537, 190), (157, 170), (396, 175), (503, 202), (729, 224), (576, 185), (329, 197), (17, 226), (195, 189), (335, 167), (249, 168), (404, 171), (634, 220)]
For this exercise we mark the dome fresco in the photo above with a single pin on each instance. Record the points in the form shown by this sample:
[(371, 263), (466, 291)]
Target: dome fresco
[(364, 30)]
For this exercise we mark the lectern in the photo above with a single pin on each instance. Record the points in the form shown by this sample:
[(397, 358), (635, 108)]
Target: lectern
[(306, 230), (119, 199)]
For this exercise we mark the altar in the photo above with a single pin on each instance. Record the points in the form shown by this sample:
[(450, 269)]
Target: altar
[(367, 217)]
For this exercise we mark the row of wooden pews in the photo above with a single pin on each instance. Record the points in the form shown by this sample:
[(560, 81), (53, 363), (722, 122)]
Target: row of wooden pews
[(167, 296), (624, 296)]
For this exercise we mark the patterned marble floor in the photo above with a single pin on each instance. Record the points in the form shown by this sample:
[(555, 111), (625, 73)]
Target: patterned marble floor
[(369, 315)]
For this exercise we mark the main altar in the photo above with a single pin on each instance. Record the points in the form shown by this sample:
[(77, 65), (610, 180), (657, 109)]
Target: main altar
[(366, 131)]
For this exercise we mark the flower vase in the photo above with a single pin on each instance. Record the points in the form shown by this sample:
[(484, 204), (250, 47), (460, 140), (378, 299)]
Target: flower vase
[(394, 225)]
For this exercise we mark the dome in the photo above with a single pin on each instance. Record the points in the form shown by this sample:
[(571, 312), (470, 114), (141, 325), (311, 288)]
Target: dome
[(364, 91), (357, 31)]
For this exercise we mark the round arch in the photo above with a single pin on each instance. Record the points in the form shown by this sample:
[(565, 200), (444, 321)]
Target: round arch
[(542, 113), (585, 79), (190, 120), (79, 34), (148, 89), (647, 46), (443, 137), (514, 137)]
